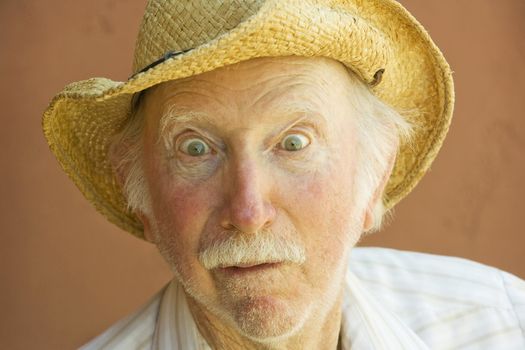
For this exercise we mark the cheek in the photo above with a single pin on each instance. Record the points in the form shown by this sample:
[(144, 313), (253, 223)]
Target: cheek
[(326, 201), (180, 207), (331, 211), (181, 211), (324, 212), (328, 192)]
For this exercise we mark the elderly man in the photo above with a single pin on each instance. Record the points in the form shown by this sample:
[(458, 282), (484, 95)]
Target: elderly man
[(254, 144)]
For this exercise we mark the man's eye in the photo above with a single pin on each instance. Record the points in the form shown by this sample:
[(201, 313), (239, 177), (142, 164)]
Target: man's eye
[(294, 142), (194, 147)]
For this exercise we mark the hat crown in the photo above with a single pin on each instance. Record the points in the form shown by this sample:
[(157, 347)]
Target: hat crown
[(178, 25)]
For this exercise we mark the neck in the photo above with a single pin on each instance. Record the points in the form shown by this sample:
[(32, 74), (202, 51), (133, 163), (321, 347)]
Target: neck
[(320, 331)]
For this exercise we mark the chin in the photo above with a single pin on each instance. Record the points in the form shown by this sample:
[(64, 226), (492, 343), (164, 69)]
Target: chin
[(268, 319)]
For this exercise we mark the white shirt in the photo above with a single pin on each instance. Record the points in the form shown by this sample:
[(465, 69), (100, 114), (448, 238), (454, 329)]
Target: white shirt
[(393, 300)]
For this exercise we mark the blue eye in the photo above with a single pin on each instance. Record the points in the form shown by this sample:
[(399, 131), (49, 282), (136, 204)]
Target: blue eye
[(194, 147), (294, 142)]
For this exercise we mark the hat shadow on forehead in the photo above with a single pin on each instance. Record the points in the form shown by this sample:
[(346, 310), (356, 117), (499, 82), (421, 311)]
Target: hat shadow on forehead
[(377, 39)]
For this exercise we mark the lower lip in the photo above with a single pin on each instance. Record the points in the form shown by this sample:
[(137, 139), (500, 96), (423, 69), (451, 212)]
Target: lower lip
[(235, 270)]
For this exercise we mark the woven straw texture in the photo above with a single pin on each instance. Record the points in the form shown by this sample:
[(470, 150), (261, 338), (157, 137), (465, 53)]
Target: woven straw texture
[(366, 35)]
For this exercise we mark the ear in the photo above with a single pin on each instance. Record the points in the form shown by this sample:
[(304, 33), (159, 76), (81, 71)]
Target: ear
[(120, 170), (378, 194), (148, 233)]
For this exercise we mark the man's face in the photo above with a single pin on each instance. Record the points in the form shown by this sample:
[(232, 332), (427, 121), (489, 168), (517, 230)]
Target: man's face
[(262, 152)]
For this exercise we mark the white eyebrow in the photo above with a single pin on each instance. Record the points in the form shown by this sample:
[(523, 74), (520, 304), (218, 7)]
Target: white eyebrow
[(176, 115)]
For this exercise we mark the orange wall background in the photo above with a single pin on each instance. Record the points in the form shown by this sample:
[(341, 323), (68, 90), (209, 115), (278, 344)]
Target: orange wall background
[(66, 274)]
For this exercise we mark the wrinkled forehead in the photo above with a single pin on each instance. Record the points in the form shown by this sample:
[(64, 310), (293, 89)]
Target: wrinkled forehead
[(262, 85), (319, 70)]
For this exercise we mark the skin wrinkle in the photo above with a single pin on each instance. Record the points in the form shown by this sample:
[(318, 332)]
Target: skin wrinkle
[(279, 80), (283, 195), (172, 118), (307, 105), (173, 122), (287, 89)]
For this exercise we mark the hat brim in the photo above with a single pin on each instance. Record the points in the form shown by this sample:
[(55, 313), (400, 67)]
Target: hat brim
[(82, 119)]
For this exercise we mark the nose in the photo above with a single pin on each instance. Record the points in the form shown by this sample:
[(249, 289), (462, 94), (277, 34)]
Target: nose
[(247, 207)]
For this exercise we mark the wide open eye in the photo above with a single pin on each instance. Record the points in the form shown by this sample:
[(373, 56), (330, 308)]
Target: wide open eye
[(194, 147), (294, 142)]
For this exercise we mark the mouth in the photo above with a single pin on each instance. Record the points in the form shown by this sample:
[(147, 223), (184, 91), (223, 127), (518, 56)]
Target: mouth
[(247, 268)]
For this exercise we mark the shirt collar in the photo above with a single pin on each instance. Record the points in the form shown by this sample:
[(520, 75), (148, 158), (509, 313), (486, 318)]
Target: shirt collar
[(366, 324)]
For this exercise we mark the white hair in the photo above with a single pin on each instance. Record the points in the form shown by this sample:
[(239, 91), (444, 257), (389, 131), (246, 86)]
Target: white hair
[(380, 131), (126, 152)]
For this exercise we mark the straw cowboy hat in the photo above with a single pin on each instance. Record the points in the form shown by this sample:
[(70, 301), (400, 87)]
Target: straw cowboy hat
[(378, 39)]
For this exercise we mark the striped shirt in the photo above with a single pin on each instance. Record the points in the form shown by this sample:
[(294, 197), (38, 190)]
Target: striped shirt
[(394, 300)]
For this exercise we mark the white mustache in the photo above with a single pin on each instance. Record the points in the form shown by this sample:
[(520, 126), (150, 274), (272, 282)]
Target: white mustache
[(251, 249)]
